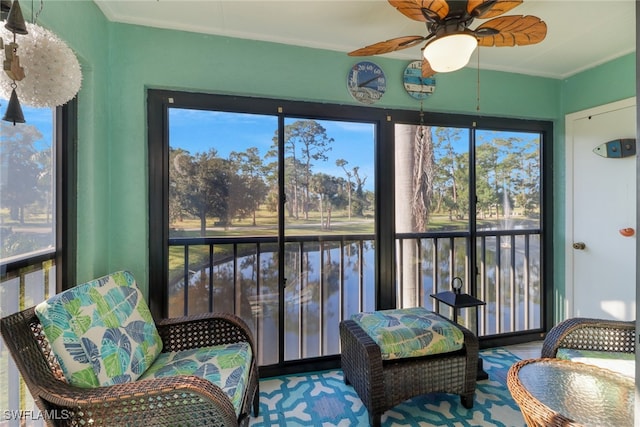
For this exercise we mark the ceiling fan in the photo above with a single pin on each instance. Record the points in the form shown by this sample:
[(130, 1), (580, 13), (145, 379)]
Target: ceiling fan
[(450, 41)]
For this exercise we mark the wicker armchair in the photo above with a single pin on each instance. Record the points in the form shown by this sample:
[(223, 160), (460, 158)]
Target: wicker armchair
[(179, 400), (383, 384), (590, 334)]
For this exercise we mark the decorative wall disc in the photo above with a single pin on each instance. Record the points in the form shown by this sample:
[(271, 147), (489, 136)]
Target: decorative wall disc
[(417, 86), (366, 82), (52, 71)]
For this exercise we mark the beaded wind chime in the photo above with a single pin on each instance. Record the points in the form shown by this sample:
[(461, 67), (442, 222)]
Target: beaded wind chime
[(11, 65), (53, 76)]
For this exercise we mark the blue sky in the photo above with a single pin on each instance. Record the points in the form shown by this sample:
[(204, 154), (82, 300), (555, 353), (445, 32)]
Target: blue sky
[(198, 131), (41, 118)]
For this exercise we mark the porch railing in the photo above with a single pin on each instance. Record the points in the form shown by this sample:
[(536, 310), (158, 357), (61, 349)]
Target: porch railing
[(330, 277), (508, 276), (21, 289)]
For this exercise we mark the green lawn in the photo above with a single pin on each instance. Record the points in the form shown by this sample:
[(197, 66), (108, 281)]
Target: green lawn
[(267, 225)]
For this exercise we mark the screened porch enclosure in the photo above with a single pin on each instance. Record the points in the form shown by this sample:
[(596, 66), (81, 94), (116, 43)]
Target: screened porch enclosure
[(279, 218)]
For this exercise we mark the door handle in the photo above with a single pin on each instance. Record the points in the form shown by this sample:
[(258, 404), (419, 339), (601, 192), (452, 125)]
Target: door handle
[(579, 246)]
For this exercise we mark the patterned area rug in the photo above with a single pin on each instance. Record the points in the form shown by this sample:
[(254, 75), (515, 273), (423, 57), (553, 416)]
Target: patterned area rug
[(322, 399)]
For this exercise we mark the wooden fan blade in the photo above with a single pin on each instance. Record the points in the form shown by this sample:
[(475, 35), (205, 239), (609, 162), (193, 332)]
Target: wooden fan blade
[(511, 31), (485, 9), (427, 71), (388, 46), (422, 10)]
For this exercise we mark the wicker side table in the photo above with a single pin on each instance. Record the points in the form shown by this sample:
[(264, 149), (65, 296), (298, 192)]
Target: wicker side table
[(554, 392)]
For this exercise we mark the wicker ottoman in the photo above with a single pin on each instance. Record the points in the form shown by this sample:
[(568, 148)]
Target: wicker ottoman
[(382, 384)]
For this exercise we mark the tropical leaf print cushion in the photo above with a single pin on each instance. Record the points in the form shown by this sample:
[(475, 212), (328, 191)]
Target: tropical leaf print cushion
[(224, 365), (410, 332), (101, 332)]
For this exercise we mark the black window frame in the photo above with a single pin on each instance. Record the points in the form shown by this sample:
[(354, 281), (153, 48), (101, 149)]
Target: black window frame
[(158, 102), (65, 251)]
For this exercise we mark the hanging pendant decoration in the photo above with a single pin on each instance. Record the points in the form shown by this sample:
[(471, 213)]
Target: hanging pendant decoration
[(15, 20), (11, 64), (14, 110), (53, 74)]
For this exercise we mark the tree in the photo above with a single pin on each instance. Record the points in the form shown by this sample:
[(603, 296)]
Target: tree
[(21, 171), (270, 160), (245, 195), (203, 190), (341, 163), (252, 172), (486, 159), (305, 141), (46, 184), (415, 175), (360, 203), (525, 178), (292, 169), (179, 164), (357, 204), (423, 177), (507, 170), (452, 176), (326, 187), (505, 176), (529, 196)]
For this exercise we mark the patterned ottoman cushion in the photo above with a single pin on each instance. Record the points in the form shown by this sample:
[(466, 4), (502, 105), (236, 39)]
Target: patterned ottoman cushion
[(101, 332), (226, 366), (410, 332)]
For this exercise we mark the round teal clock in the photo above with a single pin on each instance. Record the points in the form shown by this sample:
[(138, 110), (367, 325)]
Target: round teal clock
[(366, 82), (417, 86)]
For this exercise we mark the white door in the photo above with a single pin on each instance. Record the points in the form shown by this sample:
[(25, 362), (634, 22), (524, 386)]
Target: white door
[(601, 201)]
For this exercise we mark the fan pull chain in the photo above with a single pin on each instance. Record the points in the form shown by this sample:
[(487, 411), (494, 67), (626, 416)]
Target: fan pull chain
[(36, 14), (421, 127), (478, 83)]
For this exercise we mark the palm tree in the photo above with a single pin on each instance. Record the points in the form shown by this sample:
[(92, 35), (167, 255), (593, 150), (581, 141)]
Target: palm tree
[(415, 171)]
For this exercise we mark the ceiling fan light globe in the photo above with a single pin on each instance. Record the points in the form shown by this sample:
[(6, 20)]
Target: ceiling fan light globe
[(450, 52)]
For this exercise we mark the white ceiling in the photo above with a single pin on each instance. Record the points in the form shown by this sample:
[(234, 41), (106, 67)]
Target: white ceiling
[(581, 33)]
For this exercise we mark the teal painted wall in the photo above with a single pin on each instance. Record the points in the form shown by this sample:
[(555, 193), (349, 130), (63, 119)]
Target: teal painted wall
[(609, 82), (84, 28), (121, 61)]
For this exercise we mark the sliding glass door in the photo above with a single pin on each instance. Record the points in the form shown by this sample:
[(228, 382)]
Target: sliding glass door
[(271, 218), (295, 216), (468, 205), (223, 198), (329, 219), (509, 230)]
